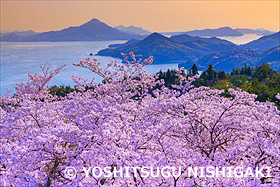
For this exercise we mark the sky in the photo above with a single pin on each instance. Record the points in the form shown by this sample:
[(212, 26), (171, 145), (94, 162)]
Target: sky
[(155, 16)]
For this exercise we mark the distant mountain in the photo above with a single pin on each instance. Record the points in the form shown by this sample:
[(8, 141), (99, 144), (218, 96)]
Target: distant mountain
[(129, 42), (264, 43), (205, 44), (179, 48), (168, 34), (94, 30), (237, 58), (255, 31), (133, 30), (272, 56), (223, 31), (187, 50), (20, 33), (228, 60), (163, 50), (12, 37)]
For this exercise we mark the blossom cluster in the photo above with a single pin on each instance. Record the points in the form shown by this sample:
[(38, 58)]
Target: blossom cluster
[(131, 119)]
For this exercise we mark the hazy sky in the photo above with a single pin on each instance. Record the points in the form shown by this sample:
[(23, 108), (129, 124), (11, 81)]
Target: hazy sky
[(154, 16)]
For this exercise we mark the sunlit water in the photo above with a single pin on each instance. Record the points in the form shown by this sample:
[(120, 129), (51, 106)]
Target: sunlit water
[(17, 59), (20, 58), (241, 39), (236, 39)]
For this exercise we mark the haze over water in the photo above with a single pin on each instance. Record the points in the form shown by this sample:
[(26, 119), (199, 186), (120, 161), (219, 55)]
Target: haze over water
[(20, 58), (241, 39)]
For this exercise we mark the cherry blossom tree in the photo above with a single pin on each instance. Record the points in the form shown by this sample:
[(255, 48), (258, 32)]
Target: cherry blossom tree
[(132, 120)]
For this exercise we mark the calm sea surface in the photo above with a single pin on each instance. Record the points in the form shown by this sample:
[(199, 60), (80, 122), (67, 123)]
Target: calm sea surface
[(241, 39), (17, 59)]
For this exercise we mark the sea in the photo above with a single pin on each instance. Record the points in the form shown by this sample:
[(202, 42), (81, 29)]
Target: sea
[(17, 59)]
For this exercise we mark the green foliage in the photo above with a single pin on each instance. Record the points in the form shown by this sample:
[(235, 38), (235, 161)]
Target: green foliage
[(61, 91), (210, 76), (221, 75), (238, 80), (264, 72), (193, 71), (169, 77), (224, 85), (243, 71), (261, 80), (264, 82)]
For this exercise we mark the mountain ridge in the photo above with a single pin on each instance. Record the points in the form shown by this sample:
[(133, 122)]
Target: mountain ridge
[(258, 32), (93, 30), (166, 49), (133, 30), (265, 42), (187, 50), (221, 31), (216, 32), (160, 47)]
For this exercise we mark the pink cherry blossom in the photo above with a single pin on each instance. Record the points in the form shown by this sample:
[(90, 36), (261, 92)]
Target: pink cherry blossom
[(131, 119)]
